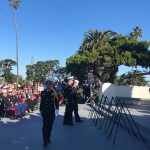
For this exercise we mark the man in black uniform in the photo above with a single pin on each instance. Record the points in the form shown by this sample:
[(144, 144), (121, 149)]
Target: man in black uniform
[(49, 106), (75, 100), (68, 96)]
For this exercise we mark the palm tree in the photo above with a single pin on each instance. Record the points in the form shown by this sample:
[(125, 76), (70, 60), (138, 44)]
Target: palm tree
[(134, 77), (95, 39), (15, 4), (137, 32)]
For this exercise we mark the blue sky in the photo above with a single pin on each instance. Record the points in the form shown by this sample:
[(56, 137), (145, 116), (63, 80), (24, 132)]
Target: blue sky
[(54, 29)]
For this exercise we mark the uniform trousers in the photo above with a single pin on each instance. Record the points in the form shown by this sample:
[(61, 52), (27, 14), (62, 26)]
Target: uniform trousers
[(48, 120), (68, 114), (75, 109)]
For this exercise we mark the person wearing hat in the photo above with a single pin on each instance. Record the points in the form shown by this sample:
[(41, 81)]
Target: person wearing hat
[(68, 96), (75, 100), (49, 107)]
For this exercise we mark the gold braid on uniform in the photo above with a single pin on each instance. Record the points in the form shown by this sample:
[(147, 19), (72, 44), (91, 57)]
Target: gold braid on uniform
[(55, 94)]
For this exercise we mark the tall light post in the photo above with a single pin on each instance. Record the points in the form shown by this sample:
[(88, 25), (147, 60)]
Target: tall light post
[(15, 5)]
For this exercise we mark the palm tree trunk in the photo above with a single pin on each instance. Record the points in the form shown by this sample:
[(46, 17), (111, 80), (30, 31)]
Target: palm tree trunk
[(3, 82), (15, 23)]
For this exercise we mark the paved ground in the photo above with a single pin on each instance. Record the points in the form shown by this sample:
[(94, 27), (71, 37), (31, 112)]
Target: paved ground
[(141, 116), (25, 134)]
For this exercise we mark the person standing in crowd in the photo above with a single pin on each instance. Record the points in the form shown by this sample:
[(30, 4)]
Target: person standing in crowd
[(49, 107), (1, 105), (75, 100), (86, 91), (68, 96)]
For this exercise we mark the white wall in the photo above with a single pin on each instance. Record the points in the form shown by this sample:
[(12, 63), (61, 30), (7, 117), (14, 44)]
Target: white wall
[(110, 90), (123, 91), (141, 92)]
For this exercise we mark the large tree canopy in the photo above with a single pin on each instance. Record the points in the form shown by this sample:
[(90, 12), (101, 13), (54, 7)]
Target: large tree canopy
[(104, 51), (41, 70), (6, 67)]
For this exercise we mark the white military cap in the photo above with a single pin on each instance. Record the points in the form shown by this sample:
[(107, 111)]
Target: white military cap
[(70, 78), (76, 81)]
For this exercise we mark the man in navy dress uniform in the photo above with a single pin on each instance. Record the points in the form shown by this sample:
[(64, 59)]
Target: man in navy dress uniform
[(49, 106), (68, 96)]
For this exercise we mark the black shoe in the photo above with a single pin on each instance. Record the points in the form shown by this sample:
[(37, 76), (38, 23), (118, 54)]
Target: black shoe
[(69, 124), (64, 123), (48, 141), (45, 144), (79, 121)]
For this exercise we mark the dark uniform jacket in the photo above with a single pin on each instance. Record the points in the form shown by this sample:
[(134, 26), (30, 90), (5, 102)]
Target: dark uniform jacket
[(68, 94), (49, 101), (75, 95)]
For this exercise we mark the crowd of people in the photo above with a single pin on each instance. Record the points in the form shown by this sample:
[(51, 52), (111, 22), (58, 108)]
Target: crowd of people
[(17, 102)]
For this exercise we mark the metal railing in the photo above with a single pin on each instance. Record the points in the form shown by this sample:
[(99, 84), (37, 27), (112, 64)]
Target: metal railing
[(109, 115)]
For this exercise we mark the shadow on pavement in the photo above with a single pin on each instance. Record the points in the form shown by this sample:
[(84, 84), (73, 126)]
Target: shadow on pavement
[(26, 134)]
